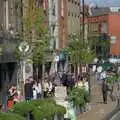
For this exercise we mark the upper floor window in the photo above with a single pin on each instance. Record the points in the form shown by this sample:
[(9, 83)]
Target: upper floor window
[(68, 13), (53, 11)]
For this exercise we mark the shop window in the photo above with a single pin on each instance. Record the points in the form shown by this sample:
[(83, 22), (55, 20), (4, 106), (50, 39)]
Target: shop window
[(69, 13), (72, 13), (53, 28)]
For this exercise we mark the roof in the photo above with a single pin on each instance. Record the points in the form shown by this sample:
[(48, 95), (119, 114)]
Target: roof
[(98, 11)]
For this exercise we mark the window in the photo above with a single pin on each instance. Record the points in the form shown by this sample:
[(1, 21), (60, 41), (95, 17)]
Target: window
[(75, 2), (53, 28), (68, 13), (72, 13), (53, 11), (75, 15)]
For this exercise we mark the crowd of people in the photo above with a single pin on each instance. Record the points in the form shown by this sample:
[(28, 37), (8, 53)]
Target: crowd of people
[(36, 89)]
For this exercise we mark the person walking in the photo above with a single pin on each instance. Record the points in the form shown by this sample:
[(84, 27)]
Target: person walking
[(64, 79), (39, 90), (105, 89), (28, 90), (45, 87), (35, 89)]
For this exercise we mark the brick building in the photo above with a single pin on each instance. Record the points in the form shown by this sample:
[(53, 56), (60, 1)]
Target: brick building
[(104, 27)]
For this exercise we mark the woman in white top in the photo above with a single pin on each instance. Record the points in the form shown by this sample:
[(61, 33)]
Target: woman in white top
[(35, 88), (39, 90), (45, 87)]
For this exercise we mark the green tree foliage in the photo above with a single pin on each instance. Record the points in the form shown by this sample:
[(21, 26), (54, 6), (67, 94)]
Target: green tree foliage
[(34, 31), (10, 116), (79, 53)]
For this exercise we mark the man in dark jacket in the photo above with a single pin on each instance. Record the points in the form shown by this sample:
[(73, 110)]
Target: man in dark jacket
[(105, 89), (28, 90), (64, 79)]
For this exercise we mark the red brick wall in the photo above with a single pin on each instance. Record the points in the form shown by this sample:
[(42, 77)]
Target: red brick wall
[(114, 30)]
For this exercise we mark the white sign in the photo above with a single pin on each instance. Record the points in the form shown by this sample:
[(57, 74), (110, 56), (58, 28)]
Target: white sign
[(28, 69), (113, 39), (56, 58), (60, 92)]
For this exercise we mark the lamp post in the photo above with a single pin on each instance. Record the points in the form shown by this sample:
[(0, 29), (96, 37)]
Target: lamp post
[(23, 48), (83, 20)]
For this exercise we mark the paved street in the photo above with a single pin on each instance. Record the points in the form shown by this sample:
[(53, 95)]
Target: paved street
[(98, 110)]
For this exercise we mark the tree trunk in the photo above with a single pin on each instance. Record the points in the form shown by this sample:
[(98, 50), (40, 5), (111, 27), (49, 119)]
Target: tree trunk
[(75, 72)]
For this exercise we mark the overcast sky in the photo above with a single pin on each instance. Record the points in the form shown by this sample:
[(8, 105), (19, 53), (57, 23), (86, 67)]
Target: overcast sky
[(111, 3)]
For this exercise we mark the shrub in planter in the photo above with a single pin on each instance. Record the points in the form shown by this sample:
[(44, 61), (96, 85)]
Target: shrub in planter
[(22, 108), (10, 116), (40, 109), (60, 110), (42, 101), (79, 97), (47, 110), (44, 111)]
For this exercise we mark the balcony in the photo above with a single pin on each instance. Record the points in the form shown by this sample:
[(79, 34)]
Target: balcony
[(8, 46)]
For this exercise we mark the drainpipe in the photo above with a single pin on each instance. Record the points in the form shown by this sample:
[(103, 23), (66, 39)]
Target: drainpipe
[(6, 15), (57, 23)]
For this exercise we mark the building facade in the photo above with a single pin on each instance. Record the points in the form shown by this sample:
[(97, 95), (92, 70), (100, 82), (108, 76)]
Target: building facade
[(64, 21), (10, 13), (54, 22), (71, 16), (105, 28)]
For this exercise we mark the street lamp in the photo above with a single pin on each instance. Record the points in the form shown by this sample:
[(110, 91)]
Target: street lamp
[(24, 49), (83, 22)]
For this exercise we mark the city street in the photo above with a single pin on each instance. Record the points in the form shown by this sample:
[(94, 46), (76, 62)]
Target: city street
[(59, 59), (98, 110)]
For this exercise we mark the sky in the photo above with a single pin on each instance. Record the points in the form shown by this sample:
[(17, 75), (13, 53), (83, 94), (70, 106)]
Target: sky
[(111, 3)]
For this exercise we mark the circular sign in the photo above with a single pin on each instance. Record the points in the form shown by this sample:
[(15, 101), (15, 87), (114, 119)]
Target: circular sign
[(24, 47)]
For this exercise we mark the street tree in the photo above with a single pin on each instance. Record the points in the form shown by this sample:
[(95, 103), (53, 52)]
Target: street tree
[(100, 45), (79, 53), (34, 31)]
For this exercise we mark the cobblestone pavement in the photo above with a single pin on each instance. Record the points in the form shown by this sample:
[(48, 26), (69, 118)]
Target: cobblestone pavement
[(97, 110)]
